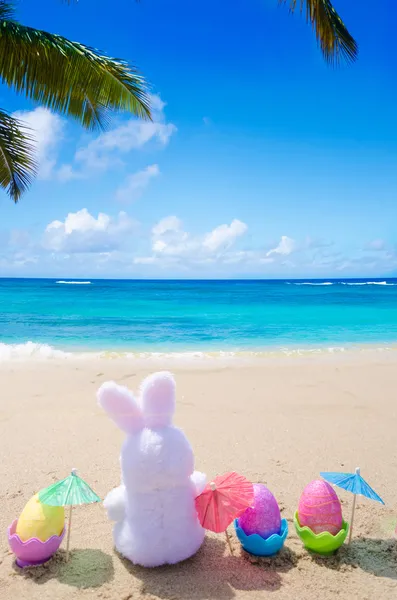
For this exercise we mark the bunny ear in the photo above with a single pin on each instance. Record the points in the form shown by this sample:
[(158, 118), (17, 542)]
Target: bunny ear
[(158, 399), (121, 406)]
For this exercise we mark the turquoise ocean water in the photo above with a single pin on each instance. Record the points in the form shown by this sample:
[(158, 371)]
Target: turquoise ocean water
[(194, 316)]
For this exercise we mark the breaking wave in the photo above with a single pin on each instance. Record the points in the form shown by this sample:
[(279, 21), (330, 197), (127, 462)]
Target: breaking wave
[(30, 350), (367, 283), (340, 283), (74, 282), (310, 283), (43, 352)]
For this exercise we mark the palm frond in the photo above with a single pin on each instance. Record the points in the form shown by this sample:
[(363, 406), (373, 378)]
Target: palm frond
[(17, 164), (7, 10), (68, 77), (332, 34)]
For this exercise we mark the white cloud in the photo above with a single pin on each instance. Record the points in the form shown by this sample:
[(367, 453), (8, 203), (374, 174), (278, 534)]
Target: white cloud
[(83, 244), (316, 243), (266, 260), (166, 225), (285, 247), (67, 173), (135, 184), (224, 235), (47, 131), (170, 242), (169, 238), (106, 150), (377, 245), (82, 232), (144, 260), (239, 257), (157, 106)]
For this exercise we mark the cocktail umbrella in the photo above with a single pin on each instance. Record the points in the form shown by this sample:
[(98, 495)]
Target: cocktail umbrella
[(71, 491), (222, 501), (352, 482)]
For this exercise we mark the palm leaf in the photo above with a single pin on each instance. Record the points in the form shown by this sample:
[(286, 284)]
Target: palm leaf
[(17, 164), (68, 77), (331, 33), (6, 10)]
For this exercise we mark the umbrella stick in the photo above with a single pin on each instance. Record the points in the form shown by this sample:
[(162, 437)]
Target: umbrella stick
[(69, 528), (228, 541), (352, 519)]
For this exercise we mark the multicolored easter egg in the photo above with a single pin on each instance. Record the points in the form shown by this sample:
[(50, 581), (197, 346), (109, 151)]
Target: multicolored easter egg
[(264, 516), (40, 521), (319, 508)]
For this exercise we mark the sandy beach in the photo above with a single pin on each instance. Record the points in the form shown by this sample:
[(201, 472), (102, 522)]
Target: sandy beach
[(277, 421)]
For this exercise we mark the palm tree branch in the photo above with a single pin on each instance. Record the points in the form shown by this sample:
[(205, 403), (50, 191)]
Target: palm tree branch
[(6, 10), (331, 32), (68, 77), (17, 163)]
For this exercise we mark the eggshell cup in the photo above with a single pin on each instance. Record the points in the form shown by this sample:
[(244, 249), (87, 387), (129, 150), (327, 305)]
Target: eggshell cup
[(33, 552), (321, 543), (259, 546)]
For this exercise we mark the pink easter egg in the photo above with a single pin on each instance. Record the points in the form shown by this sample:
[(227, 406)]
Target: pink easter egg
[(319, 508), (264, 516)]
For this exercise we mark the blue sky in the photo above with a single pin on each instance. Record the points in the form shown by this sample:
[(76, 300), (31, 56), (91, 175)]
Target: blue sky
[(262, 161)]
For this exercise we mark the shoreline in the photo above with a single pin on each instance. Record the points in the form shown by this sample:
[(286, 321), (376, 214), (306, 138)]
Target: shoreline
[(44, 353)]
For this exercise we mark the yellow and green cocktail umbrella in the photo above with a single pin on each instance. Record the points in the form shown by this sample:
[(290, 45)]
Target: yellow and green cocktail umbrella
[(71, 491)]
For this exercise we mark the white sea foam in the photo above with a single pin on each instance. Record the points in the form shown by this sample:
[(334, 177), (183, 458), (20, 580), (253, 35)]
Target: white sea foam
[(312, 283), (36, 351), (366, 283), (74, 282), (340, 283), (31, 351)]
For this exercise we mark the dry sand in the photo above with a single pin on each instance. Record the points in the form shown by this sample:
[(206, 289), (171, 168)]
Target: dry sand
[(279, 422)]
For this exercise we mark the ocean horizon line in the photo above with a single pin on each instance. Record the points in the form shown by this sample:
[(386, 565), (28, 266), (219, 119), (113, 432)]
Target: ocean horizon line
[(60, 279)]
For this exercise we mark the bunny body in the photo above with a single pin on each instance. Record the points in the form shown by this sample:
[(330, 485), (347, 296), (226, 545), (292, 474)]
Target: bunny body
[(154, 508)]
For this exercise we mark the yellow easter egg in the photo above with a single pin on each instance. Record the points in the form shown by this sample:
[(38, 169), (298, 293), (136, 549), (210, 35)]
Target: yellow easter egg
[(40, 521)]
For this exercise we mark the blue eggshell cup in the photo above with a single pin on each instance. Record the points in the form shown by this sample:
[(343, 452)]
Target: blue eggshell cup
[(259, 546)]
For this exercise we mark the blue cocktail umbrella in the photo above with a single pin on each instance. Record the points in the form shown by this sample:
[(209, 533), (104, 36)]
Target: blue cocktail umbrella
[(354, 483)]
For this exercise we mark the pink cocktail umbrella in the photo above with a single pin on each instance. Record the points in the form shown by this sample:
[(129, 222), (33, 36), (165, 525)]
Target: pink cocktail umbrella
[(222, 501)]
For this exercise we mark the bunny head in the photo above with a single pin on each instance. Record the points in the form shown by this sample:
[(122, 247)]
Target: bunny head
[(155, 454), (154, 409)]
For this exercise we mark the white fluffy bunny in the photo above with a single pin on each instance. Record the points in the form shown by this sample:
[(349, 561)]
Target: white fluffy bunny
[(154, 508)]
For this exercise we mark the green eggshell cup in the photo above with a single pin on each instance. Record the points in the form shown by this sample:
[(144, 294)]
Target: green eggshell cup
[(322, 543)]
